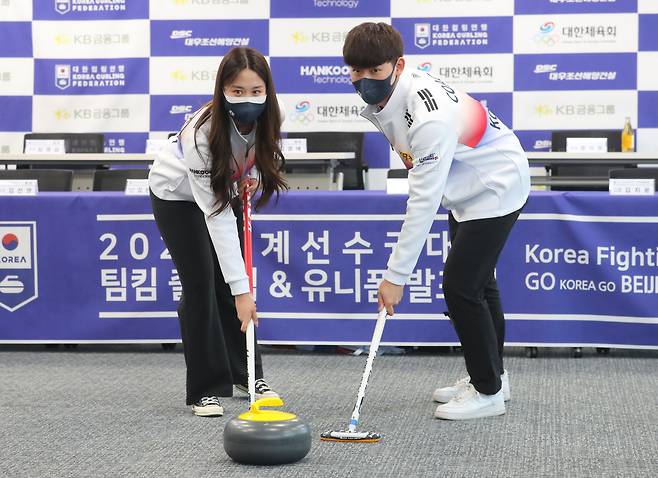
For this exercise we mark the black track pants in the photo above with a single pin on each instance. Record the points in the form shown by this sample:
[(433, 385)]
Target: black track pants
[(214, 346), (472, 296)]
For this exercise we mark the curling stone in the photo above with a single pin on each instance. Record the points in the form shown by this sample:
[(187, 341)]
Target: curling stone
[(267, 437)]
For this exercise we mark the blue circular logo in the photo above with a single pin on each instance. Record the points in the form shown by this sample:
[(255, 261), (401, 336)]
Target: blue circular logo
[(10, 241)]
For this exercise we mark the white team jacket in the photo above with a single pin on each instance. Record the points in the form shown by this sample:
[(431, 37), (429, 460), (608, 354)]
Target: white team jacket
[(459, 154), (180, 174)]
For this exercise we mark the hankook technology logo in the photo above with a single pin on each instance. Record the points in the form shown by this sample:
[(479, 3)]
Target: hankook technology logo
[(326, 74), (336, 3)]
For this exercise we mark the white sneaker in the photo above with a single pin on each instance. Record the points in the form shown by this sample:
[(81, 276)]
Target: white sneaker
[(445, 394), (208, 407), (471, 404)]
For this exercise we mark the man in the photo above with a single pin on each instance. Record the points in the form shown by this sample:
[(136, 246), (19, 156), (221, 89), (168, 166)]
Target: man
[(460, 155)]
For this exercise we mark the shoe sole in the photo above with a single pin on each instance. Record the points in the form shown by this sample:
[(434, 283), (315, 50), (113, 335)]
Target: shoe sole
[(208, 413), (445, 398), (484, 413)]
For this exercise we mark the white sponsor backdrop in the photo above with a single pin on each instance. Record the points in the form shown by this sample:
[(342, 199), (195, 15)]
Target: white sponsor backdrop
[(540, 65)]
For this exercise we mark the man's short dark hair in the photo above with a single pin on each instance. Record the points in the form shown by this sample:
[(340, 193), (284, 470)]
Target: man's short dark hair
[(372, 44)]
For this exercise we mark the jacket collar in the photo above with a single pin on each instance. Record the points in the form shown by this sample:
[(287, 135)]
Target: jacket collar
[(247, 139), (395, 103)]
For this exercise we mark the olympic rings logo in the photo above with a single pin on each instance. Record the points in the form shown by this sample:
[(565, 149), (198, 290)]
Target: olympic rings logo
[(303, 118)]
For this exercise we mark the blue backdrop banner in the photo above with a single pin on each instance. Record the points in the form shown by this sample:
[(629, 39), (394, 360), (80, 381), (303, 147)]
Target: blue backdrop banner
[(541, 65), (578, 269)]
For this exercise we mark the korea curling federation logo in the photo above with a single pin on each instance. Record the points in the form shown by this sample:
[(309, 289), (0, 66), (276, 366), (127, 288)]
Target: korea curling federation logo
[(422, 35), (62, 76), (62, 6), (18, 264)]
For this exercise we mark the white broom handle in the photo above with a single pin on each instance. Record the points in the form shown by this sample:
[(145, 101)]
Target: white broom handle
[(251, 362), (248, 255), (374, 346)]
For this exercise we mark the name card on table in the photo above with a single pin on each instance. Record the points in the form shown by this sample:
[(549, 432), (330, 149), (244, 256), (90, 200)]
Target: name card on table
[(137, 187), (587, 145), (293, 145), (45, 146), (632, 187), (19, 187)]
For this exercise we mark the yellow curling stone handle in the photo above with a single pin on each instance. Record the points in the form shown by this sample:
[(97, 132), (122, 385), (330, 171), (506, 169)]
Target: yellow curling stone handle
[(255, 414)]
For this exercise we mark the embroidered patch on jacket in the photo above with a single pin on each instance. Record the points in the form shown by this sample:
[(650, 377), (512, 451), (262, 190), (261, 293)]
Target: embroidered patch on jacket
[(200, 173), (430, 158), (407, 159)]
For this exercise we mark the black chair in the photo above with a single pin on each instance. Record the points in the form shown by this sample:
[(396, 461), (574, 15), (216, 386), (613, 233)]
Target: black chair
[(340, 142), (116, 179), (635, 173), (397, 174), (397, 181), (47, 179)]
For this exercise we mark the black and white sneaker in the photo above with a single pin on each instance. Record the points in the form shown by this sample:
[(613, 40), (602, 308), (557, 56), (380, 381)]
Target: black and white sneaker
[(208, 407), (263, 390)]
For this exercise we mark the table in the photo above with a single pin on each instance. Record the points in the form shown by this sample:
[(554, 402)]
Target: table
[(92, 159), (83, 178), (609, 159), (579, 270)]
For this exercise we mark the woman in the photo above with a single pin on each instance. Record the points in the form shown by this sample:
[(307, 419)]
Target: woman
[(195, 190)]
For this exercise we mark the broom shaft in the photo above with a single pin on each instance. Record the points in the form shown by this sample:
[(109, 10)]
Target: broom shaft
[(248, 262), (372, 353)]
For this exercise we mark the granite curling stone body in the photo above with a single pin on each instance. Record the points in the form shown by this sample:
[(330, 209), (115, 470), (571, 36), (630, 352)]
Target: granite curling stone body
[(267, 437)]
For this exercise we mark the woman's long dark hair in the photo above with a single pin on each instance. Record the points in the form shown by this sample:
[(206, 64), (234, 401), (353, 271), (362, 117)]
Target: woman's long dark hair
[(269, 159)]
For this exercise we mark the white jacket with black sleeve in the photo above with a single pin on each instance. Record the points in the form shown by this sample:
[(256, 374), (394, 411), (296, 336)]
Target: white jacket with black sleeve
[(181, 172), (459, 155)]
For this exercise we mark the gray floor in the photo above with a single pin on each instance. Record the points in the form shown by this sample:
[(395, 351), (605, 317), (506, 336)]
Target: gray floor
[(118, 411)]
